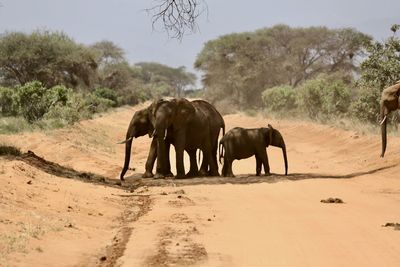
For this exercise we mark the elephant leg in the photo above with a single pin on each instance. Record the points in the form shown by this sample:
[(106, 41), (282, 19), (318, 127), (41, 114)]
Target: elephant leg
[(167, 170), (264, 160), (161, 158), (193, 164), (213, 160), (223, 172), (258, 165), (204, 165), (151, 158), (179, 149), (228, 169)]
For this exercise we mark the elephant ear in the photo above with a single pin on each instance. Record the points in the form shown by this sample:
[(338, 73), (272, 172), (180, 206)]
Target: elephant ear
[(184, 110), (271, 131)]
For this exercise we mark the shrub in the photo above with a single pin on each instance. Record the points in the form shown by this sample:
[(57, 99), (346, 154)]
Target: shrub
[(8, 102), (107, 93), (31, 100), (279, 99), (321, 98), (366, 105), (57, 95), (96, 104)]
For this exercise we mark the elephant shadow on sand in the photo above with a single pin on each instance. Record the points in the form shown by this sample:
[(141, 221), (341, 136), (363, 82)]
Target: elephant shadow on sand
[(248, 178)]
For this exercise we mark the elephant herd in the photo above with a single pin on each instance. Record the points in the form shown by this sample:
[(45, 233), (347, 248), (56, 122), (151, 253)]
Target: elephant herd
[(196, 125)]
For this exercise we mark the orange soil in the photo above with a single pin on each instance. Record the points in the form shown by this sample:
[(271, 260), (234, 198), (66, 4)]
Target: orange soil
[(46, 220)]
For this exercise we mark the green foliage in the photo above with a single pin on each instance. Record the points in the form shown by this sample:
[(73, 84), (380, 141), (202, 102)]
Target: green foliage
[(240, 66), (97, 104), (166, 80), (321, 98), (382, 67), (365, 107), (280, 99), (49, 57), (107, 93), (32, 100), (8, 102)]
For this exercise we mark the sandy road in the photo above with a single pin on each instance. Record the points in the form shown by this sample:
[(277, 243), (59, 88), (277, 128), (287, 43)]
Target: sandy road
[(243, 221)]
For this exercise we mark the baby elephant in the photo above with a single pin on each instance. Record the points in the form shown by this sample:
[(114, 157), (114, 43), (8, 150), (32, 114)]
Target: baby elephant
[(240, 143)]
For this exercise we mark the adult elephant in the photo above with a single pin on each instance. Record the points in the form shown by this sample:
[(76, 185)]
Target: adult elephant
[(141, 124), (193, 127), (389, 102)]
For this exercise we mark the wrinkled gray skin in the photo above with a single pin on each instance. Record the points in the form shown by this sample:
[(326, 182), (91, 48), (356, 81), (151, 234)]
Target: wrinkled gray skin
[(141, 124), (240, 143), (193, 127), (389, 102), (216, 123)]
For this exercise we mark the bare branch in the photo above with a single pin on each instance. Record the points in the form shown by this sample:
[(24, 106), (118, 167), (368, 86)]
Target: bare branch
[(177, 17)]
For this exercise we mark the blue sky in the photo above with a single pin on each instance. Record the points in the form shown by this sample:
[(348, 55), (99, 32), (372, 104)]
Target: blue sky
[(127, 24)]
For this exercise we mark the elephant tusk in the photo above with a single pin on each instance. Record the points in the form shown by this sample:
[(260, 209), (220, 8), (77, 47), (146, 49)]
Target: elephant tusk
[(127, 140), (384, 119)]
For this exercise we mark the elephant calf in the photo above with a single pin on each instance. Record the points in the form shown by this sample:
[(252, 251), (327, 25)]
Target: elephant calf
[(240, 143)]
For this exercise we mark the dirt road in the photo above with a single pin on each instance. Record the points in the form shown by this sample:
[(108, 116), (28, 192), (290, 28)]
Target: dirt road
[(275, 220)]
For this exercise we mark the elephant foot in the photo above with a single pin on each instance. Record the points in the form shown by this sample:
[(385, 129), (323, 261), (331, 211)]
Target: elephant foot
[(169, 174), (159, 176), (258, 174), (179, 176), (192, 174), (213, 173), (267, 174), (147, 174), (203, 173)]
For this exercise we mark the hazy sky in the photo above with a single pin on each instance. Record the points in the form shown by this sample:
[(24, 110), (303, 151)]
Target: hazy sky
[(127, 24)]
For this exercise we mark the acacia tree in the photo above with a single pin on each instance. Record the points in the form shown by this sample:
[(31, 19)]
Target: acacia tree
[(242, 65), (49, 57), (382, 67), (173, 80)]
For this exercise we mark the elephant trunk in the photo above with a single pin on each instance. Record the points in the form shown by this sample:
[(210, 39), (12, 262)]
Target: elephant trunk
[(285, 159), (383, 131), (128, 146)]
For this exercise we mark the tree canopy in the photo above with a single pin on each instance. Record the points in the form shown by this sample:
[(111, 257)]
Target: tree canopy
[(50, 57), (242, 65), (382, 67)]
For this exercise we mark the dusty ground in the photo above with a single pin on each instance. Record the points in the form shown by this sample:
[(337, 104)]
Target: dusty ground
[(53, 212)]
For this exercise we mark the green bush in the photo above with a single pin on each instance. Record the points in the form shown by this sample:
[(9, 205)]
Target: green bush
[(57, 95), (96, 104), (322, 99), (31, 100), (8, 102), (279, 99), (366, 105), (107, 93)]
